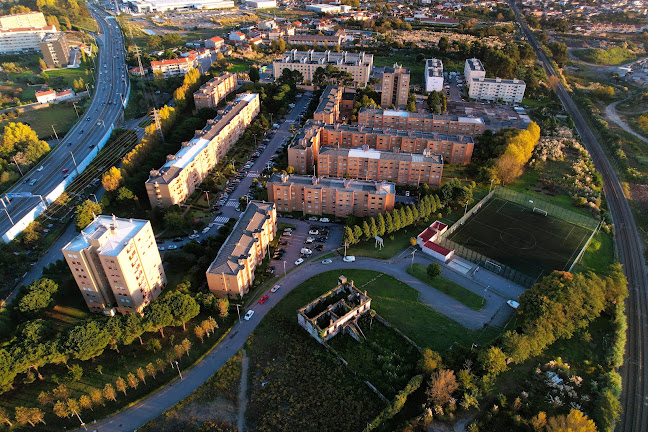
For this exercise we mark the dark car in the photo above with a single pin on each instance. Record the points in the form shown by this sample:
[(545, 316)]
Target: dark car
[(177, 239)]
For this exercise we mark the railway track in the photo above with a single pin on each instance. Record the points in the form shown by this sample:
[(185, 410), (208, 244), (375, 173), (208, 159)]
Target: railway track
[(630, 251)]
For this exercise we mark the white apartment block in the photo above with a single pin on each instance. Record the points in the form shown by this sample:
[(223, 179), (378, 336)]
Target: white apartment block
[(116, 265), (473, 69), (496, 89), (359, 65), (23, 20), (184, 171), (433, 75), (175, 67), (19, 40)]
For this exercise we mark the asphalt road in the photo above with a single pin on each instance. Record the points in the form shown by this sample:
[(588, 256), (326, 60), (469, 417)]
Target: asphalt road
[(629, 246), (110, 88)]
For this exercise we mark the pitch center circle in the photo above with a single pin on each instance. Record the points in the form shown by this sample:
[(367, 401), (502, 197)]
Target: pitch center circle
[(518, 238)]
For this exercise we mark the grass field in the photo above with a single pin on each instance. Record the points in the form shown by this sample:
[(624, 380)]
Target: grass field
[(391, 246), (454, 290), (62, 116), (515, 236)]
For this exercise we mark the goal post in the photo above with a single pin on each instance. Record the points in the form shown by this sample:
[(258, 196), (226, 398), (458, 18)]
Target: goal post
[(540, 211), (494, 267)]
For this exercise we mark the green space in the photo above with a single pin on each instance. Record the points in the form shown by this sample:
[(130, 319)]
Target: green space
[(454, 290), (63, 78), (61, 116), (283, 13), (518, 237), (599, 254), (609, 57), (393, 244), (238, 65)]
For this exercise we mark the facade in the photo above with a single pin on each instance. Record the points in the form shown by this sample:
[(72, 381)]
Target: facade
[(369, 164), (497, 89), (330, 196), (418, 122), (261, 4), (316, 40), (116, 264), (23, 20), (20, 40), (210, 94), (359, 65), (174, 67), (395, 86), (232, 272), (147, 6), (433, 75), (327, 8), (55, 50), (45, 96), (179, 176), (473, 69), (214, 43), (328, 110), (335, 312)]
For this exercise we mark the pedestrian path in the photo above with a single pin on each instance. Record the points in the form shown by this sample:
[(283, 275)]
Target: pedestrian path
[(221, 220), (253, 174), (232, 203)]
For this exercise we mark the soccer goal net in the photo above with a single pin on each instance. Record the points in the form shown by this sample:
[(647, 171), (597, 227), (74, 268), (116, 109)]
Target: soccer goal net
[(539, 210), (491, 266)]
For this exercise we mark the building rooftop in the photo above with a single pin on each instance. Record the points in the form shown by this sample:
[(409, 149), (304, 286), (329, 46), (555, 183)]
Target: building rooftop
[(326, 57), (434, 67), (475, 64), (396, 69), (179, 60), (369, 153), (499, 80), (328, 100), (109, 233), (240, 241), (190, 149), (399, 113), (29, 29), (378, 188), (430, 136), (209, 86)]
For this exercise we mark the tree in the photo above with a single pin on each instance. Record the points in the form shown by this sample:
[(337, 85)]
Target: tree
[(389, 223), (182, 308), (141, 375), (112, 179), (186, 345), (45, 398), (38, 297), (443, 44), (42, 64), (72, 405), (132, 380), (85, 402), (4, 417), (575, 421), (493, 361), (604, 92), (86, 340), (25, 415), (150, 369), (222, 305), (366, 231), (96, 397), (173, 220), (85, 213), (429, 361), (411, 103), (109, 392), (158, 316), (433, 270), (380, 224), (75, 373), (357, 233), (508, 168), (120, 385), (154, 42), (441, 386), (254, 74), (60, 409), (19, 137), (347, 236), (539, 421), (200, 333), (61, 392), (412, 241)]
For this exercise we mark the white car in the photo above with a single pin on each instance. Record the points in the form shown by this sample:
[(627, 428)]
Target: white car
[(513, 304), (299, 261), (248, 315), (313, 232), (161, 248), (41, 168), (349, 258), (288, 230), (287, 234), (275, 288), (325, 220), (306, 251), (193, 236), (327, 261), (204, 231), (309, 240), (172, 247)]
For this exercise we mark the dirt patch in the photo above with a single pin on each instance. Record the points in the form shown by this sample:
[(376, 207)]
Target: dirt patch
[(217, 409), (639, 194)]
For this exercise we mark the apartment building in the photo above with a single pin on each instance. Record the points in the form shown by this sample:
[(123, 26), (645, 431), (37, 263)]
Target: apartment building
[(116, 265), (420, 122), (391, 166), (307, 62), (330, 196), (497, 89), (302, 153), (55, 50), (316, 40), (395, 86), (328, 110), (21, 40), (210, 94), (23, 20), (473, 69), (174, 67), (179, 176), (232, 272), (433, 75)]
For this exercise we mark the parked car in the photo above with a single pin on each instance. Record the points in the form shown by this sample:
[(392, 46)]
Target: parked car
[(313, 232), (263, 299), (309, 240), (327, 261), (172, 247), (275, 288), (325, 220), (349, 258), (248, 315), (306, 251), (177, 239), (513, 304), (299, 261), (161, 248)]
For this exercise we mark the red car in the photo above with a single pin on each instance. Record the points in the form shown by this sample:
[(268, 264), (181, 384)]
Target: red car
[(65, 170), (263, 299)]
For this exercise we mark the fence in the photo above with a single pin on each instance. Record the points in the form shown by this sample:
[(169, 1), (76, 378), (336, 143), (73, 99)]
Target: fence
[(473, 210)]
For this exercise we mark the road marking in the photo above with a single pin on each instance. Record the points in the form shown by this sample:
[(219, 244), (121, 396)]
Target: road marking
[(221, 219), (252, 174), (232, 203)]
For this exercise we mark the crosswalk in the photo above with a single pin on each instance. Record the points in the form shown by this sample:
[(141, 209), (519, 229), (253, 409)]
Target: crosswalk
[(232, 203), (252, 174), (221, 220)]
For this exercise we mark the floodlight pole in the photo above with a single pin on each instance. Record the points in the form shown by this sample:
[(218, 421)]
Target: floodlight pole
[(413, 252), (10, 220), (491, 186), (178, 367)]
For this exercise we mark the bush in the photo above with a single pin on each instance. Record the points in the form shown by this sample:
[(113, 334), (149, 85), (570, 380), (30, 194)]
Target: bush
[(433, 270), (397, 404)]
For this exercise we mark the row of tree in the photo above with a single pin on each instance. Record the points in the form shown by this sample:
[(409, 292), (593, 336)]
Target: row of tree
[(437, 102), (183, 96), (20, 149), (37, 344), (391, 221)]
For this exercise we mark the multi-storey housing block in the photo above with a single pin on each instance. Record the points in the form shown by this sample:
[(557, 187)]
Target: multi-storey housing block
[(55, 50), (433, 75), (232, 272), (420, 122), (491, 89), (174, 67), (23, 20), (20, 40), (210, 94), (116, 264), (395, 86), (391, 166), (330, 196), (359, 65), (179, 176), (328, 110)]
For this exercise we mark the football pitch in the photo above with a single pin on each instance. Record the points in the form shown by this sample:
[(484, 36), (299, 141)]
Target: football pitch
[(516, 236)]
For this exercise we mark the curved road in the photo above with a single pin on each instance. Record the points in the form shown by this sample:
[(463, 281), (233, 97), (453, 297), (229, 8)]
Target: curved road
[(630, 249), (110, 87), (612, 114)]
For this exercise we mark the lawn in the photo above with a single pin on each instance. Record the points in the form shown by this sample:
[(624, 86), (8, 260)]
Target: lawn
[(599, 255), (214, 402), (610, 57), (61, 116), (454, 290), (238, 65), (64, 78), (393, 244)]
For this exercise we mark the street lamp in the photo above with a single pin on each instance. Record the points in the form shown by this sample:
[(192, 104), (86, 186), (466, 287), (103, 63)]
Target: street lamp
[(413, 252), (12, 223), (79, 417), (284, 268), (178, 367), (491, 185), (75, 109), (76, 168), (19, 170), (95, 198)]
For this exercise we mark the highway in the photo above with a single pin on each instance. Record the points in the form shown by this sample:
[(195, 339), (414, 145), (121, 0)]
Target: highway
[(105, 110), (629, 244)]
